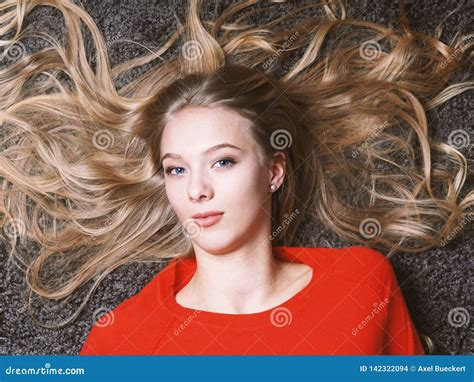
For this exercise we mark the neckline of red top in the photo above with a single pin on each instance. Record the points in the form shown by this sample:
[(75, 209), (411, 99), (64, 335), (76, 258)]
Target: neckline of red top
[(182, 269)]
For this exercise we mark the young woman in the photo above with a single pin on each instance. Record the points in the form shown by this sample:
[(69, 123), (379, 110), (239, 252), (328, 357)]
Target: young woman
[(238, 294), (212, 159)]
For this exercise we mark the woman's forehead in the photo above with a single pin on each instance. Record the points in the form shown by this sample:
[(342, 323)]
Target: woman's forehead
[(206, 127), (204, 115)]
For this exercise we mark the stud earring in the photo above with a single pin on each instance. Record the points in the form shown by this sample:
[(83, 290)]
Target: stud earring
[(272, 187)]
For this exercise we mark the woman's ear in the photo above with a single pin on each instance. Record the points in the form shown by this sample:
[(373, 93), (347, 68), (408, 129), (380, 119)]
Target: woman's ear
[(277, 169)]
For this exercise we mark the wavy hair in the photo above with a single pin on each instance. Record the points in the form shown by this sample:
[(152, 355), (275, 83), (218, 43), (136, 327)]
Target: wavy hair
[(80, 155)]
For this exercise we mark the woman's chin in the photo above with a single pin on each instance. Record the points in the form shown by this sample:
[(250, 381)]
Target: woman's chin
[(215, 244)]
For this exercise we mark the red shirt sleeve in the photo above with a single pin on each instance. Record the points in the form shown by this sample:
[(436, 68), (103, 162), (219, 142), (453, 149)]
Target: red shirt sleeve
[(400, 337), (101, 340), (105, 336), (87, 349)]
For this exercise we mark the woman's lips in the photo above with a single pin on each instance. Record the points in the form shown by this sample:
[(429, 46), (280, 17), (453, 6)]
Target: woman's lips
[(208, 220)]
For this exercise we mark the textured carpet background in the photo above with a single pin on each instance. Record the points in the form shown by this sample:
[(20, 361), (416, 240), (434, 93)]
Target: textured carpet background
[(433, 283)]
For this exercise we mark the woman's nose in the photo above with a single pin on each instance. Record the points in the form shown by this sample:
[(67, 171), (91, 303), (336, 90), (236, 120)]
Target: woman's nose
[(199, 188)]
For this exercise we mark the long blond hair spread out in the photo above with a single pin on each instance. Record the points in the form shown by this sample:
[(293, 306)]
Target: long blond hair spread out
[(80, 155)]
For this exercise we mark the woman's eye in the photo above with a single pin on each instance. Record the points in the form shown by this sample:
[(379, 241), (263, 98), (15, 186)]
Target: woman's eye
[(225, 162), (168, 170)]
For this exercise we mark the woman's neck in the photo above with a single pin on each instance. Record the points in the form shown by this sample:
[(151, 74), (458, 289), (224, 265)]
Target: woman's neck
[(242, 282)]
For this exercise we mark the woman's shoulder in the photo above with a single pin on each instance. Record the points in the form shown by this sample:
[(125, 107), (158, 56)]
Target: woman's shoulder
[(134, 316), (356, 270), (361, 258), (353, 258), (350, 264)]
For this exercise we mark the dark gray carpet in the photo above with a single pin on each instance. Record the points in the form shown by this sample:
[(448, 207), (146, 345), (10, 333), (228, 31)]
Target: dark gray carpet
[(434, 283)]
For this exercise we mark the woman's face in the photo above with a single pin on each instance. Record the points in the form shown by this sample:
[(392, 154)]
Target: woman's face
[(200, 178)]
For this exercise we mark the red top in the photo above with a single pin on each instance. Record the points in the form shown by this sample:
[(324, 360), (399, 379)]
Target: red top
[(352, 306)]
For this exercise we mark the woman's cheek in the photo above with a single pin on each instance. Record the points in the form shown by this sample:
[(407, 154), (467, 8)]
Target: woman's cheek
[(242, 178), (173, 196)]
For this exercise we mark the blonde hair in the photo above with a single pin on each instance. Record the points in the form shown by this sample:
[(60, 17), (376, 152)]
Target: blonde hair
[(80, 158)]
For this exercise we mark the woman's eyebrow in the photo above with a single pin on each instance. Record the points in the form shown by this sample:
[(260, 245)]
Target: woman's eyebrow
[(207, 151)]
